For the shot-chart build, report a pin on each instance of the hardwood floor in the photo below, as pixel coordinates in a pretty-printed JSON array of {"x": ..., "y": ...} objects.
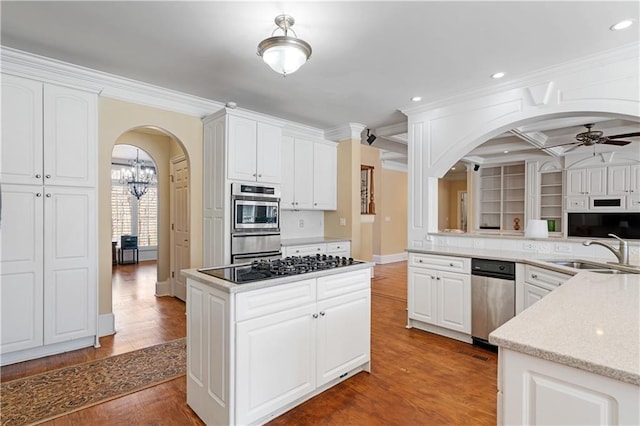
[{"x": 416, "y": 377}]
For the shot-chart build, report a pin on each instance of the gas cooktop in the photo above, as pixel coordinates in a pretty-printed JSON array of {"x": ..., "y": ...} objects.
[{"x": 264, "y": 269}]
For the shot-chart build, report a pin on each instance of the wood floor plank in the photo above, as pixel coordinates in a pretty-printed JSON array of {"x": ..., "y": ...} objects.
[{"x": 416, "y": 378}]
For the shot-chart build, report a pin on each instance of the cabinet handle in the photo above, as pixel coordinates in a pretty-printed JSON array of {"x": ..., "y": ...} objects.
[
  {"x": 48, "y": 195},
  {"x": 47, "y": 176},
  {"x": 38, "y": 176},
  {"x": 534, "y": 275},
  {"x": 450, "y": 264},
  {"x": 438, "y": 278},
  {"x": 322, "y": 313},
  {"x": 432, "y": 277},
  {"x": 38, "y": 194},
  {"x": 315, "y": 315}
]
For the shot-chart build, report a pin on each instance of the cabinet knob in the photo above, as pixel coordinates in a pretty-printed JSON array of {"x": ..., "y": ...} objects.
[
  {"x": 319, "y": 249},
  {"x": 322, "y": 313},
  {"x": 432, "y": 277},
  {"x": 38, "y": 194},
  {"x": 534, "y": 275},
  {"x": 438, "y": 278},
  {"x": 293, "y": 204},
  {"x": 450, "y": 264},
  {"x": 47, "y": 176},
  {"x": 38, "y": 176},
  {"x": 48, "y": 195},
  {"x": 259, "y": 175},
  {"x": 419, "y": 260},
  {"x": 296, "y": 203},
  {"x": 254, "y": 175},
  {"x": 315, "y": 315}
]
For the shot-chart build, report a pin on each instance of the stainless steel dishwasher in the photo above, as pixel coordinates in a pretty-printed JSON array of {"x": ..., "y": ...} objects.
[{"x": 492, "y": 296}]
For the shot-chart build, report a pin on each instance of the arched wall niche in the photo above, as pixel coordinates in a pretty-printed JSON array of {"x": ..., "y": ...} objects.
[
  {"x": 164, "y": 135},
  {"x": 439, "y": 135}
]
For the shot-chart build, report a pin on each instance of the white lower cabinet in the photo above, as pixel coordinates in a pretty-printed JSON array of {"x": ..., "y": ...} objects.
[
  {"x": 539, "y": 282},
  {"x": 48, "y": 287},
  {"x": 439, "y": 299},
  {"x": 534, "y": 391},
  {"x": 292, "y": 341}
]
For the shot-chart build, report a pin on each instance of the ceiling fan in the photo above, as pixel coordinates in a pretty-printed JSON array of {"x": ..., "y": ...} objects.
[{"x": 593, "y": 137}]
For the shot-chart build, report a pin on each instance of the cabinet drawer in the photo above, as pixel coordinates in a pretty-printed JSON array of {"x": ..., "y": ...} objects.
[
  {"x": 339, "y": 247},
  {"x": 441, "y": 263},
  {"x": 336, "y": 285},
  {"x": 307, "y": 250},
  {"x": 577, "y": 203},
  {"x": 544, "y": 278},
  {"x": 274, "y": 299}
]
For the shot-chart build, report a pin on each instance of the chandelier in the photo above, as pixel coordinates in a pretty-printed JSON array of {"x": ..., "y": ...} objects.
[
  {"x": 138, "y": 177},
  {"x": 284, "y": 54}
]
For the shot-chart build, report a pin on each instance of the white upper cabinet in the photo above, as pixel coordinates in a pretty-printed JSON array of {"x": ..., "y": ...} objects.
[
  {"x": 325, "y": 175},
  {"x": 591, "y": 181},
  {"x": 253, "y": 151},
  {"x": 21, "y": 130},
  {"x": 48, "y": 134},
  {"x": 623, "y": 180},
  {"x": 309, "y": 174}
]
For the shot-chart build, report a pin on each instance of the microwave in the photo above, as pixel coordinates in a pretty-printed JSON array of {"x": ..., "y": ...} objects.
[
  {"x": 601, "y": 224},
  {"x": 607, "y": 203}
]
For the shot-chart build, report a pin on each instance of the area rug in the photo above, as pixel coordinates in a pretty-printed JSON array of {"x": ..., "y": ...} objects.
[{"x": 41, "y": 397}]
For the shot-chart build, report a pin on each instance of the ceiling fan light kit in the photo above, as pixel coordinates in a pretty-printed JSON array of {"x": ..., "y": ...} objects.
[{"x": 284, "y": 54}]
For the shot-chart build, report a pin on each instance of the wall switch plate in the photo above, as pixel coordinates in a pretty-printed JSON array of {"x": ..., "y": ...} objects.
[
  {"x": 301, "y": 223},
  {"x": 387, "y": 218},
  {"x": 343, "y": 221},
  {"x": 530, "y": 246}
]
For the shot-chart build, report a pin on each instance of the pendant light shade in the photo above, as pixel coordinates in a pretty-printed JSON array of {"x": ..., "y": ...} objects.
[{"x": 284, "y": 54}]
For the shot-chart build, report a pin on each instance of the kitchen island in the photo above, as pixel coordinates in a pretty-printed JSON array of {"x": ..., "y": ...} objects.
[{"x": 258, "y": 349}]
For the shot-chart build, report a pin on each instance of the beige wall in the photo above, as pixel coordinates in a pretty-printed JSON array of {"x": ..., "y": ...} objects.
[
  {"x": 392, "y": 214},
  {"x": 116, "y": 118}
]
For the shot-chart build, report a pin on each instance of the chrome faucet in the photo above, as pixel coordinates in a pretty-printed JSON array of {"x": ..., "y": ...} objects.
[{"x": 622, "y": 252}]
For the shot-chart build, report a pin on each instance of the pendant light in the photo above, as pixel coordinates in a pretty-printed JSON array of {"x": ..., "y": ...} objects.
[{"x": 284, "y": 54}]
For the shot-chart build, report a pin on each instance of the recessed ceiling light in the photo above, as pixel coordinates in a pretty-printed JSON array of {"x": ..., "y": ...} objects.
[
  {"x": 621, "y": 25},
  {"x": 416, "y": 98},
  {"x": 497, "y": 75}
]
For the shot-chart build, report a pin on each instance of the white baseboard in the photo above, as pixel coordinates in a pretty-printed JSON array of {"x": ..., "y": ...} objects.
[
  {"x": 390, "y": 258},
  {"x": 106, "y": 324},
  {"x": 163, "y": 288}
]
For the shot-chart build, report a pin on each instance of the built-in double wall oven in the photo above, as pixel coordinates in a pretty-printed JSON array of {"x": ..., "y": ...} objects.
[{"x": 255, "y": 230}]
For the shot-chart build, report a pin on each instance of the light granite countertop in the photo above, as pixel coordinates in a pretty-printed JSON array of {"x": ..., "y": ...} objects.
[
  {"x": 229, "y": 287},
  {"x": 591, "y": 322},
  {"x": 287, "y": 242}
]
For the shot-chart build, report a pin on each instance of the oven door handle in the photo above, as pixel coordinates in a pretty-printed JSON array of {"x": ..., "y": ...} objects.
[
  {"x": 261, "y": 254},
  {"x": 254, "y": 234}
]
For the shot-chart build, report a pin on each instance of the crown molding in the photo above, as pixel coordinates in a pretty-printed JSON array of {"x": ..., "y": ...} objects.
[
  {"x": 542, "y": 76},
  {"x": 345, "y": 131},
  {"x": 65, "y": 74}
]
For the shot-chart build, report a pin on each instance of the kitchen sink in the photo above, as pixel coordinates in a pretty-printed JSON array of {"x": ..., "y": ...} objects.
[
  {"x": 576, "y": 264},
  {"x": 610, "y": 271}
]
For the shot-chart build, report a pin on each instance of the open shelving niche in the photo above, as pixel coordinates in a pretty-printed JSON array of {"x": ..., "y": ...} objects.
[
  {"x": 502, "y": 197},
  {"x": 551, "y": 198}
]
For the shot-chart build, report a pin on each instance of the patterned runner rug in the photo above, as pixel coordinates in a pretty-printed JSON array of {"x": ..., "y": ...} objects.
[{"x": 42, "y": 397}]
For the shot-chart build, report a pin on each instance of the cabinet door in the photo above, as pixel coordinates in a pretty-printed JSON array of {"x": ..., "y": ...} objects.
[
  {"x": 342, "y": 348},
  {"x": 596, "y": 181},
  {"x": 634, "y": 179},
  {"x": 70, "y": 264},
  {"x": 533, "y": 293},
  {"x": 268, "y": 153},
  {"x": 618, "y": 180},
  {"x": 324, "y": 176},
  {"x": 287, "y": 187},
  {"x": 70, "y": 135},
  {"x": 21, "y": 293},
  {"x": 304, "y": 174},
  {"x": 422, "y": 295},
  {"x": 454, "y": 301},
  {"x": 21, "y": 159},
  {"x": 576, "y": 182},
  {"x": 241, "y": 152},
  {"x": 275, "y": 361}
]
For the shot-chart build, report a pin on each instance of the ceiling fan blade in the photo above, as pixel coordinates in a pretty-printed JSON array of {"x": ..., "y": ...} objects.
[
  {"x": 623, "y": 135},
  {"x": 562, "y": 144},
  {"x": 572, "y": 148},
  {"x": 619, "y": 143}
]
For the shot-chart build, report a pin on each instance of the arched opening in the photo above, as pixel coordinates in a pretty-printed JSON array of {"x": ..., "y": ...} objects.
[{"x": 151, "y": 218}]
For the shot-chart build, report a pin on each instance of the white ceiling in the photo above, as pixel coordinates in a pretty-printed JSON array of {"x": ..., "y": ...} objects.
[{"x": 369, "y": 58}]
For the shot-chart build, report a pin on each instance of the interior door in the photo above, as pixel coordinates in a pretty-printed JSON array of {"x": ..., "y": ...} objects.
[{"x": 180, "y": 225}]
